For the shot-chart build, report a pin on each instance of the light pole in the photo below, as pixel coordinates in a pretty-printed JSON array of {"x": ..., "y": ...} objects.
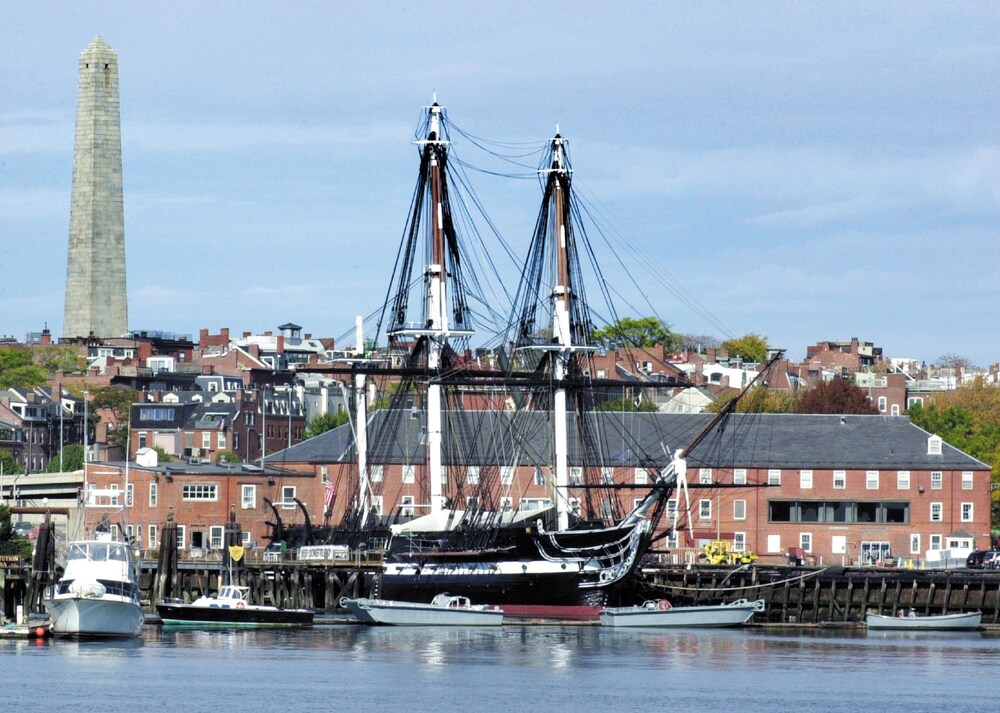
[
  {"x": 61, "y": 439},
  {"x": 86, "y": 427}
]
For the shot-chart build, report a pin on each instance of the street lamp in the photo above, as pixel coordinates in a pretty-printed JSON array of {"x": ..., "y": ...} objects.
[{"x": 86, "y": 427}]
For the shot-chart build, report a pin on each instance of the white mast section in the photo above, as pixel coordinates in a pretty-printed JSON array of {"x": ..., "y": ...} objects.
[
  {"x": 562, "y": 338},
  {"x": 437, "y": 316},
  {"x": 361, "y": 426}
]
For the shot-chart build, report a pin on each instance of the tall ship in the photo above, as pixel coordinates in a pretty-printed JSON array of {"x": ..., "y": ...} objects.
[{"x": 462, "y": 424}]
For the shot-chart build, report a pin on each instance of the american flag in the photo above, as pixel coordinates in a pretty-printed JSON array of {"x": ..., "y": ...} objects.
[{"x": 331, "y": 494}]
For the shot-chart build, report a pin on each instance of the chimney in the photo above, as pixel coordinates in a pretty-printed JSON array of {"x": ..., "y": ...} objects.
[
  {"x": 202, "y": 338},
  {"x": 280, "y": 344},
  {"x": 224, "y": 333},
  {"x": 46, "y": 337}
]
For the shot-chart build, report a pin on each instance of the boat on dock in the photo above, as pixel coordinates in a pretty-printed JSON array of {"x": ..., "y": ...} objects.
[
  {"x": 659, "y": 613},
  {"x": 231, "y": 607},
  {"x": 32, "y": 627},
  {"x": 97, "y": 596},
  {"x": 443, "y": 610},
  {"x": 937, "y": 622}
]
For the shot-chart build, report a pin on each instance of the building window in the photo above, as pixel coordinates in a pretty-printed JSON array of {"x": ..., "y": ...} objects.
[
  {"x": 181, "y": 537},
  {"x": 406, "y": 506},
  {"x": 576, "y": 475},
  {"x": 774, "y": 477},
  {"x": 671, "y": 508},
  {"x": 937, "y": 510},
  {"x": 774, "y": 543},
  {"x": 472, "y": 475},
  {"x": 245, "y": 538},
  {"x": 151, "y": 541},
  {"x": 248, "y": 497},
  {"x": 894, "y": 410},
  {"x": 114, "y": 496},
  {"x": 206, "y": 440},
  {"x": 129, "y": 494},
  {"x": 704, "y": 509},
  {"x": 739, "y": 542},
  {"x": 288, "y": 497},
  {"x": 376, "y": 473},
  {"x": 409, "y": 473},
  {"x": 705, "y": 476},
  {"x": 142, "y": 440},
  {"x": 937, "y": 480},
  {"x": 882, "y": 404},
  {"x": 607, "y": 476},
  {"x": 444, "y": 474},
  {"x": 966, "y": 512},
  {"x": 152, "y": 495},
  {"x": 507, "y": 475},
  {"x": 641, "y": 477},
  {"x": 935, "y": 542},
  {"x": 215, "y": 537},
  {"x": 740, "y": 476},
  {"x": 806, "y": 541},
  {"x": 914, "y": 544},
  {"x": 377, "y": 504},
  {"x": 871, "y": 480},
  {"x": 910, "y": 400},
  {"x": 222, "y": 440},
  {"x": 839, "y": 479},
  {"x": 903, "y": 480},
  {"x": 506, "y": 504},
  {"x": 805, "y": 479},
  {"x": 200, "y": 491},
  {"x": 966, "y": 480},
  {"x": 739, "y": 509}
]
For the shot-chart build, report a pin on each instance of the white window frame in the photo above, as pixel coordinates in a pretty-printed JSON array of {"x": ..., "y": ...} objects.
[
  {"x": 507, "y": 476},
  {"x": 774, "y": 476},
  {"x": 966, "y": 510},
  {"x": 935, "y": 542},
  {"x": 739, "y": 509},
  {"x": 806, "y": 479},
  {"x": 248, "y": 496},
  {"x": 377, "y": 504},
  {"x": 937, "y": 480},
  {"x": 671, "y": 508},
  {"x": 739, "y": 542},
  {"x": 182, "y": 537},
  {"x": 740, "y": 476},
  {"x": 406, "y": 503},
  {"x": 883, "y": 404},
  {"x": 607, "y": 475},
  {"x": 967, "y": 480},
  {"x": 206, "y": 440},
  {"x": 287, "y": 503},
  {"x": 129, "y": 494},
  {"x": 704, "y": 476},
  {"x": 871, "y": 479},
  {"x": 915, "y": 543},
  {"x": 376, "y": 473},
  {"x": 151, "y": 538},
  {"x": 472, "y": 475},
  {"x": 216, "y": 533},
  {"x": 937, "y": 512},
  {"x": 705, "y": 509},
  {"x": 221, "y": 439},
  {"x": 839, "y": 479},
  {"x": 200, "y": 492},
  {"x": 902, "y": 480},
  {"x": 576, "y": 475},
  {"x": 409, "y": 473},
  {"x": 806, "y": 541},
  {"x": 641, "y": 476},
  {"x": 506, "y": 504}
]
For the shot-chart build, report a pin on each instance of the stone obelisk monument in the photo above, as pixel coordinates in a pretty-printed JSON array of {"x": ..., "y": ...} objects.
[{"x": 96, "y": 301}]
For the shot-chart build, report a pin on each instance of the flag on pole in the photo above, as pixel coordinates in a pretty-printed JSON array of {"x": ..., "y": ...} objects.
[{"x": 331, "y": 494}]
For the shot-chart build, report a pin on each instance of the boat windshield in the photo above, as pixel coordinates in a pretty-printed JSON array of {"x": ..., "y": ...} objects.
[{"x": 97, "y": 551}]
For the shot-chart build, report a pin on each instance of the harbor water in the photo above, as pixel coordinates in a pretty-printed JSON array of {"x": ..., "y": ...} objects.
[{"x": 505, "y": 670}]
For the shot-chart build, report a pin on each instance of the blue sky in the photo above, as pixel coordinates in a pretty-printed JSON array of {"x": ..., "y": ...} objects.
[{"x": 806, "y": 171}]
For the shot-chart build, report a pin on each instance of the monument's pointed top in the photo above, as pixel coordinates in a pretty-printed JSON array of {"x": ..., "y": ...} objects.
[{"x": 99, "y": 44}]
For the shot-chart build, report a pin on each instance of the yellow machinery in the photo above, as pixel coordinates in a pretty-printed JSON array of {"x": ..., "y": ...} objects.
[{"x": 721, "y": 552}]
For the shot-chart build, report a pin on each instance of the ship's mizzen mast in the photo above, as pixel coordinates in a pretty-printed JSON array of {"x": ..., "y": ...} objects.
[{"x": 562, "y": 337}]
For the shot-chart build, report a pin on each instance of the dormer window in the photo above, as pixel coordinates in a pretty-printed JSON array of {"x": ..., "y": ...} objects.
[{"x": 934, "y": 446}]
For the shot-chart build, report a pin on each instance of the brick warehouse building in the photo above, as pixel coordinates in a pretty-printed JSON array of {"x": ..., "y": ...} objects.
[{"x": 849, "y": 489}]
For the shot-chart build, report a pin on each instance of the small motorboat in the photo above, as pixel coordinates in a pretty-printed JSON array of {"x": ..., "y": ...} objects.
[
  {"x": 443, "y": 610},
  {"x": 231, "y": 607},
  {"x": 911, "y": 622},
  {"x": 660, "y": 613}
]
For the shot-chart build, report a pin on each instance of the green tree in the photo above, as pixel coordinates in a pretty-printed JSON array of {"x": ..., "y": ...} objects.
[
  {"x": 17, "y": 369},
  {"x": 6, "y": 525},
  {"x": 750, "y": 347},
  {"x": 117, "y": 402},
  {"x": 163, "y": 457},
  {"x": 836, "y": 396},
  {"x": 72, "y": 459},
  {"x": 226, "y": 457},
  {"x": 626, "y": 404},
  {"x": 9, "y": 464},
  {"x": 325, "y": 422},
  {"x": 643, "y": 332},
  {"x": 55, "y": 357}
]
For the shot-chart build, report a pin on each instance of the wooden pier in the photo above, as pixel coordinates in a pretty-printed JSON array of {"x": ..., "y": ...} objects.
[{"x": 818, "y": 595}]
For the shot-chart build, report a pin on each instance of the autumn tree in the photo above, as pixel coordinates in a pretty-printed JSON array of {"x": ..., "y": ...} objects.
[
  {"x": 759, "y": 399},
  {"x": 117, "y": 402},
  {"x": 836, "y": 396},
  {"x": 750, "y": 347},
  {"x": 628, "y": 332}
]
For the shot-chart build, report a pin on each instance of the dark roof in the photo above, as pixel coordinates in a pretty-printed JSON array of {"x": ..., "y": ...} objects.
[{"x": 646, "y": 439}]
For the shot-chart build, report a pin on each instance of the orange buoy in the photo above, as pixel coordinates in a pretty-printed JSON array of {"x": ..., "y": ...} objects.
[{"x": 39, "y": 631}]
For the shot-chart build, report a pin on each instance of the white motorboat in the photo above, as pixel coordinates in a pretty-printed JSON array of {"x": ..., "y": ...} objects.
[
  {"x": 940, "y": 622},
  {"x": 97, "y": 594},
  {"x": 231, "y": 607},
  {"x": 443, "y": 610},
  {"x": 659, "y": 613}
]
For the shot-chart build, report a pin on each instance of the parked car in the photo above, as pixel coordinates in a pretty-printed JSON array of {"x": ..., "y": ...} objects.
[
  {"x": 23, "y": 529},
  {"x": 975, "y": 560},
  {"x": 991, "y": 560}
]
